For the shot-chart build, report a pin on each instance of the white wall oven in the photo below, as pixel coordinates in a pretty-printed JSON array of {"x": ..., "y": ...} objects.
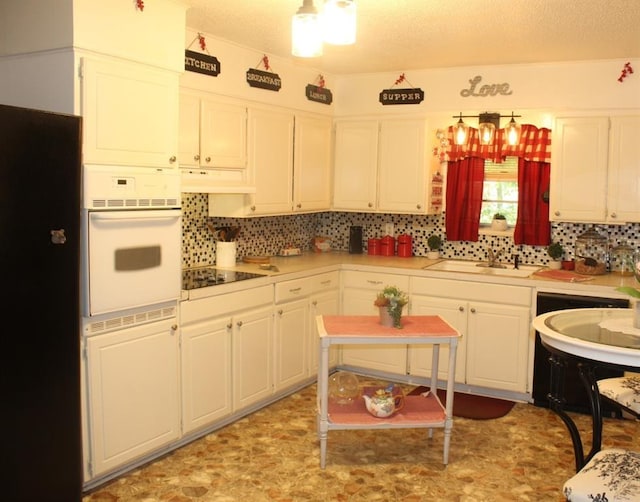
[{"x": 132, "y": 227}]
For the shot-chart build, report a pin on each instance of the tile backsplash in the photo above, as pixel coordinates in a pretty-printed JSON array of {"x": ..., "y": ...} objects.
[{"x": 268, "y": 235}]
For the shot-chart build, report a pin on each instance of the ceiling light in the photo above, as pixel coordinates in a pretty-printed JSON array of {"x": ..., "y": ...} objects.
[
  {"x": 306, "y": 32},
  {"x": 339, "y": 22},
  {"x": 488, "y": 124}
]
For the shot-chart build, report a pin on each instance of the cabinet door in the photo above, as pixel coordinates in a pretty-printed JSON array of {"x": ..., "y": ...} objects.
[
  {"x": 578, "y": 188},
  {"x": 189, "y": 132},
  {"x": 271, "y": 160},
  {"x": 206, "y": 373},
  {"x": 291, "y": 342},
  {"x": 312, "y": 164},
  {"x": 624, "y": 170},
  {"x": 355, "y": 167},
  {"x": 420, "y": 356},
  {"x": 133, "y": 393},
  {"x": 389, "y": 358},
  {"x": 497, "y": 346},
  {"x": 252, "y": 348},
  {"x": 403, "y": 165},
  {"x": 223, "y": 135},
  {"x": 327, "y": 303},
  {"x": 130, "y": 114}
]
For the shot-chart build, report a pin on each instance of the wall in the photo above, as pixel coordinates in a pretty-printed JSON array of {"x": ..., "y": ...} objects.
[{"x": 268, "y": 235}]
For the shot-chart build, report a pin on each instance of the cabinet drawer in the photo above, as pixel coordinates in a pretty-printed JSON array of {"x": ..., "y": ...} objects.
[
  {"x": 471, "y": 291},
  {"x": 374, "y": 280},
  {"x": 291, "y": 290},
  {"x": 325, "y": 282},
  {"x": 213, "y": 306}
]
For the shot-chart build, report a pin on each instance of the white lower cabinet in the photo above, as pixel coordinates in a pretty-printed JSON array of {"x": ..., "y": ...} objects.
[
  {"x": 132, "y": 383},
  {"x": 359, "y": 292},
  {"x": 495, "y": 323}
]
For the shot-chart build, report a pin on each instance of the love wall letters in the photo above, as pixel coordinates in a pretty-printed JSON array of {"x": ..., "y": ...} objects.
[{"x": 485, "y": 90}]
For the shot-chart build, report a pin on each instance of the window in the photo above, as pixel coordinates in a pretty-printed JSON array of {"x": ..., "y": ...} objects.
[{"x": 500, "y": 191}]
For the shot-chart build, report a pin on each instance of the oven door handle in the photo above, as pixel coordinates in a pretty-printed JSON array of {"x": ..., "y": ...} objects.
[{"x": 157, "y": 214}]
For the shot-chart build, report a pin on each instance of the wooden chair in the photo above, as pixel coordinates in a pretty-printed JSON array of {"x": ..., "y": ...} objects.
[
  {"x": 623, "y": 391},
  {"x": 612, "y": 475}
]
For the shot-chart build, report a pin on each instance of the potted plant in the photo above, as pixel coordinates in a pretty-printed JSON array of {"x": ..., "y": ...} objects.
[
  {"x": 499, "y": 222},
  {"x": 390, "y": 302},
  {"x": 555, "y": 251},
  {"x": 434, "y": 242}
]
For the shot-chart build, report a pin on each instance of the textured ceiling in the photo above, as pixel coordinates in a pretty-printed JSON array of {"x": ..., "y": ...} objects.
[{"x": 399, "y": 35}]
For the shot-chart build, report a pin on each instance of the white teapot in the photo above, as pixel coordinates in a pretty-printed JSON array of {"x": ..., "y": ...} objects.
[{"x": 383, "y": 403}]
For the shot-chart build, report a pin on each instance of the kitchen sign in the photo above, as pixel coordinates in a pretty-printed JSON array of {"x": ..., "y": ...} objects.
[
  {"x": 201, "y": 63},
  {"x": 401, "y": 96}
]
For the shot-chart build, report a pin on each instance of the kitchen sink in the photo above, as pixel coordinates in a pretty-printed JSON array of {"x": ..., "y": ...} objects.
[{"x": 480, "y": 267}]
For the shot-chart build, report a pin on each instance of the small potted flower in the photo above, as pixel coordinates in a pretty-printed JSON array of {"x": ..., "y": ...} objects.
[
  {"x": 499, "y": 222},
  {"x": 390, "y": 302},
  {"x": 555, "y": 251},
  {"x": 434, "y": 242}
]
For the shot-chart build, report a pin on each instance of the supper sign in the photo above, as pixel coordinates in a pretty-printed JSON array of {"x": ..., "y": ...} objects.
[
  {"x": 201, "y": 63},
  {"x": 264, "y": 79},
  {"x": 319, "y": 94},
  {"x": 401, "y": 96}
]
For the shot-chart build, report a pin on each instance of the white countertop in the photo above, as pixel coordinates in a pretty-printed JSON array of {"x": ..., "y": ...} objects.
[{"x": 292, "y": 267}]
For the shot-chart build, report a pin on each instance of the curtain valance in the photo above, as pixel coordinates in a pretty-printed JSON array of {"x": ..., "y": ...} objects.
[{"x": 534, "y": 145}]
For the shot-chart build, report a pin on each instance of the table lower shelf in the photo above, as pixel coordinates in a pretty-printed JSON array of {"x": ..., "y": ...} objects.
[{"x": 418, "y": 411}]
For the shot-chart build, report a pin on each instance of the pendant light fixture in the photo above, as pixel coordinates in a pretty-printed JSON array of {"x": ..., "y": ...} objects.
[
  {"x": 489, "y": 122},
  {"x": 306, "y": 31},
  {"x": 512, "y": 131},
  {"x": 460, "y": 132},
  {"x": 339, "y": 22}
]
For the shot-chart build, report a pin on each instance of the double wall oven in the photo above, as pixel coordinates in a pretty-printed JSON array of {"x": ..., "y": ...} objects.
[{"x": 131, "y": 272}]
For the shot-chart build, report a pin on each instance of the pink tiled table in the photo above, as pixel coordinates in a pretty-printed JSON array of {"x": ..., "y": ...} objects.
[{"x": 425, "y": 411}]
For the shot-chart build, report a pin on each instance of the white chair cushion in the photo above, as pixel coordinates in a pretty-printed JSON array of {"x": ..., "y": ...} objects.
[
  {"x": 612, "y": 475},
  {"x": 624, "y": 390}
]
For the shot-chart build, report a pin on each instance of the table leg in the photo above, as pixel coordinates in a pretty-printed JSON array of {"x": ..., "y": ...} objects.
[{"x": 323, "y": 399}]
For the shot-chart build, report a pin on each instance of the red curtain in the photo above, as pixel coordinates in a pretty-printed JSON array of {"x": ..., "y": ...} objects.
[
  {"x": 464, "y": 183},
  {"x": 464, "y": 199},
  {"x": 533, "y": 226}
]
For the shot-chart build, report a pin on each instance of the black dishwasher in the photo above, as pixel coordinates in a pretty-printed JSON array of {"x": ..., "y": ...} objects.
[{"x": 575, "y": 394}]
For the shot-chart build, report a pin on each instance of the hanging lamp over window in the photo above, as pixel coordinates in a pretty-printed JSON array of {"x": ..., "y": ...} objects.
[
  {"x": 306, "y": 31},
  {"x": 512, "y": 131},
  {"x": 339, "y": 22},
  {"x": 489, "y": 123},
  {"x": 460, "y": 132}
]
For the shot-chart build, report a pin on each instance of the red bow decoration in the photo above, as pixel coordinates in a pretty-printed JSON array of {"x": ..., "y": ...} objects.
[
  {"x": 626, "y": 70},
  {"x": 203, "y": 44},
  {"x": 401, "y": 79},
  {"x": 140, "y": 4},
  {"x": 265, "y": 62},
  {"x": 320, "y": 81}
]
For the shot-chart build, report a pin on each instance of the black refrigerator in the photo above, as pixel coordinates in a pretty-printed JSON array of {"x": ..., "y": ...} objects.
[{"x": 40, "y": 160}]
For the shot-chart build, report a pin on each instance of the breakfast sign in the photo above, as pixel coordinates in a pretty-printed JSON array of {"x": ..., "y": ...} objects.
[
  {"x": 410, "y": 96},
  {"x": 264, "y": 79}
]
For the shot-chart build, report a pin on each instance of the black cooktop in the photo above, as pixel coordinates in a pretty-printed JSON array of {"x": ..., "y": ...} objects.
[{"x": 210, "y": 276}]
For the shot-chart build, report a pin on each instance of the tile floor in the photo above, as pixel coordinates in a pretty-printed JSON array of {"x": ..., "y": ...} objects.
[{"x": 273, "y": 456}]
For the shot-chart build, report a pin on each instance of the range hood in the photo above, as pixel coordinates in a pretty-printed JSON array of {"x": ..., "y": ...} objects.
[{"x": 215, "y": 181}]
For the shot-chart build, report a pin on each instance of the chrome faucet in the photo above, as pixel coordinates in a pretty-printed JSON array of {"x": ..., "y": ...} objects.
[{"x": 493, "y": 258}]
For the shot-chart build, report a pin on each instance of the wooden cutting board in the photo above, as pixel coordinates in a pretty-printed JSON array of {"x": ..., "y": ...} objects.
[{"x": 256, "y": 259}]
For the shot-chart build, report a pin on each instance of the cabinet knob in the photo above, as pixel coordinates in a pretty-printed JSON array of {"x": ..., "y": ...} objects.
[
  {"x": 239, "y": 324},
  {"x": 229, "y": 326},
  {"x": 174, "y": 328},
  {"x": 418, "y": 206},
  {"x": 280, "y": 312},
  {"x": 614, "y": 215},
  {"x": 461, "y": 308},
  {"x": 299, "y": 206},
  {"x": 314, "y": 303},
  {"x": 196, "y": 157},
  {"x": 253, "y": 208},
  {"x": 370, "y": 204},
  {"x": 556, "y": 213},
  {"x": 172, "y": 159},
  {"x": 207, "y": 159},
  {"x": 473, "y": 311}
]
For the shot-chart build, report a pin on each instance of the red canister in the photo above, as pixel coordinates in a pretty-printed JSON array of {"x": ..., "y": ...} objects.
[
  {"x": 373, "y": 246},
  {"x": 387, "y": 246},
  {"x": 405, "y": 246}
]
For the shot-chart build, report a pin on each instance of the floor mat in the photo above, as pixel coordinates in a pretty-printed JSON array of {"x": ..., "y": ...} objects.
[{"x": 471, "y": 406}]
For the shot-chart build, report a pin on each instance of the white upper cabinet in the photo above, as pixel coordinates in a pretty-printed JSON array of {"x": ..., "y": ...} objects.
[
  {"x": 595, "y": 173},
  {"x": 381, "y": 166},
  {"x": 355, "y": 166},
  {"x": 130, "y": 114},
  {"x": 312, "y": 163},
  {"x": 212, "y": 145}
]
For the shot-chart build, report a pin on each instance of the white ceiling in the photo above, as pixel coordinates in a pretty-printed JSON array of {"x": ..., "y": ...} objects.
[{"x": 400, "y": 35}]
